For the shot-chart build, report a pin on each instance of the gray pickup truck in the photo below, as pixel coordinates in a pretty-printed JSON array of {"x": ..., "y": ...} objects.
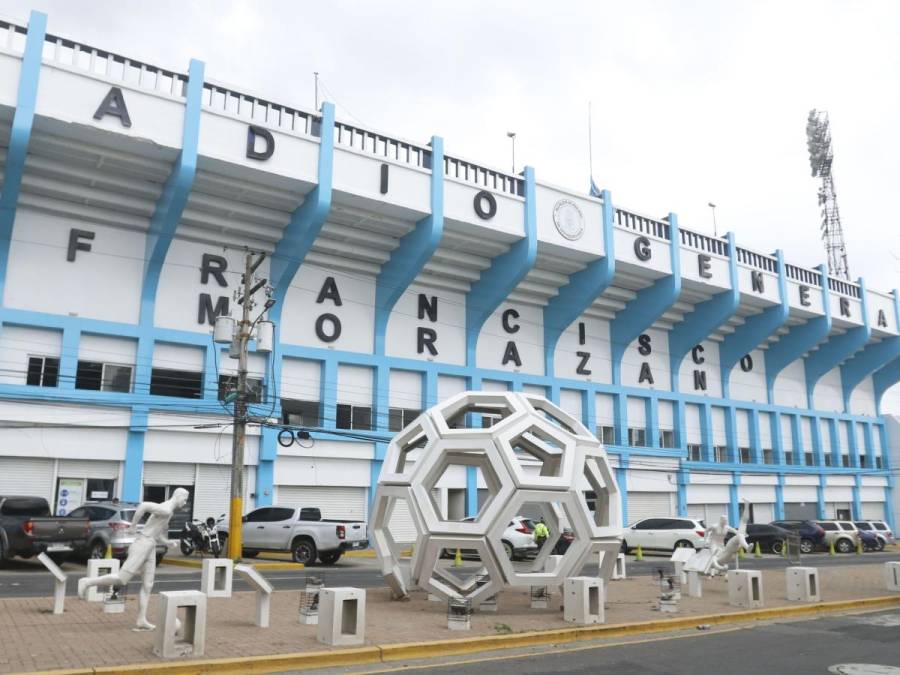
[
  {"x": 301, "y": 531},
  {"x": 27, "y": 528}
]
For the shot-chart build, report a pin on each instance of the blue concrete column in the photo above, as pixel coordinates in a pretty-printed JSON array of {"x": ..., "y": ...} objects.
[
  {"x": 132, "y": 474},
  {"x": 835, "y": 439},
  {"x": 328, "y": 385},
  {"x": 68, "y": 362},
  {"x": 679, "y": 417},
  {"x": 589, "y": 410},
  {"x": 734, "y": 512},
  {"x": 872, "y": 357},
  {"x": 620, "y": 415},
  {"x": 777, "y": 439},
  {"x": 870, "y": 445},
  {"x": 779, "y": 498},
  {"x": 731, "y": 442},
  {"x": 684, "y": 478},
  {"x": 818, "y": 453},
  {"x": 820, "y": 497},
  {"x": 265, "y": 470},
  {"x": 471, "y": 471},
  {"x": 885, "y": 452},
  {"x": 622, "y": 480},
  {"x": 888, "y": 502},
  {"x": 883, "y": 379},
  {"x": 756, "y": 454},
  {"x": 706, "y": 435},
  {"x": 429, "y": 389},
  {"x": 651, "y": 414},
  {"x": 852, "y": 443},
  {"x": 857, "y": 504},
  {"x": 797, "y": 435}
]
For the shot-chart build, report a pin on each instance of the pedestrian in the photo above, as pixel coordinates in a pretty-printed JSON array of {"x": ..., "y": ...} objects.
[{"x": 541, "y": 533}]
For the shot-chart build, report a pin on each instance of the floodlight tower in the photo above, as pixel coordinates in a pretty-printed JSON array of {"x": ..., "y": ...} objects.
[{"x": 818, "y": 140}]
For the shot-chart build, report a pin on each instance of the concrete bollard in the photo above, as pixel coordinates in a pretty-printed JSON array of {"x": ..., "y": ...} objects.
[
  {"x": 98, "y": 567},
  {"x": 488, "y": 604},
  {"x": 59, "y": 583},
  {"x": 694, "y": 586},
  {"x": 583, "y": 600},
  {"x": 803, "y": 584},
  {"x": 216, "y": 577},
  {"x": 745, "y": 588},
  {"x": 434, "y": 598},
  {"x": 192, "y": 633},
  {"x": 342, "y": 616},
  {"x": 619, "y": 569},
  {"x": 892, "y": 575},
  {"x": 551, "y": 564},
  {"x": 263, "y": 593}
]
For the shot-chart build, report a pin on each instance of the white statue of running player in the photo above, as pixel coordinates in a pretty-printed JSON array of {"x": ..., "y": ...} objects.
[{"x": 142, "y": 552}]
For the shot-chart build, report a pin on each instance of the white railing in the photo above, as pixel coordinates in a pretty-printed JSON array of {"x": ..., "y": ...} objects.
[
  {"x": 758, "y": 260},
  {"x": 14, "y": 36},
  {"x": 253, "y": 109},
  {"x": 490, "y": 179},
  {"x": 380, "y": 145},
  {"x": 642, "y": 224},
  {"x": 702, "y": 242},
  {"x": 803, "y": 275},
  {"x": 847, "y": 288}
]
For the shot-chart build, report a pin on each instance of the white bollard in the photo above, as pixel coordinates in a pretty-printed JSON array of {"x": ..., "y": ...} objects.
[
  {"x": 98, "y": 567},
  {"x": 745, "y": 588},
  {"x": 803, "y": 584},
  {"x": 892, "y": 575},
  {"x": 619, "y": 569},
  {"x": 434, "y": 598},
  {"x": 583, "y": 600},
  {"x": 188, "y": 640},
  {"x": 216, "y": 577},
  {"x": 59, "y": 583},
  {"x": 551, "y": 564},
  {"x": 342, "y": 616},
  {"x": 263, "y": 592},
  {"x": 488, "y": 604},
  {"x": 695, "y": 588}
]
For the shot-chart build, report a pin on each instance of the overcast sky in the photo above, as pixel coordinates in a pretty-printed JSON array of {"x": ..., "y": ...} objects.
[{"x": 693, "y": 102}]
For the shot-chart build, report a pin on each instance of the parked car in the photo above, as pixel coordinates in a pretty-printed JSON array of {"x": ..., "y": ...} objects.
[
  {"x": 27, "y": 529},
  {"x": 881, "y": 536},
  {"x": 769, "y": 537},
  {"x": 884, "y": 529},
  {"x": 812, "y": 535},
  {"x": 301, "y": 531},
  {"x": 663, "y": 534},
  {"x": 110, "y": 524},
  {"x": 868, "y": 538},
  {"x": 840, "y": 533},
  {"x": 518, "y": 540}
]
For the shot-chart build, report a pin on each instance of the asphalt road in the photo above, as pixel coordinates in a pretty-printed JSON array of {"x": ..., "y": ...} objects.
[
  {"x": 28, "y": 578},
  {"x": 826, "y": 645}
]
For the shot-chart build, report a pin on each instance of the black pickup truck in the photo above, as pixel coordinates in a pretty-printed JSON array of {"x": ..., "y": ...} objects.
[{"x": 27, "y": 529}]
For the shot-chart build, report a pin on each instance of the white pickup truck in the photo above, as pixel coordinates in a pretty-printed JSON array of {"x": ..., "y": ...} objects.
[{"x": 302, "y": 532}]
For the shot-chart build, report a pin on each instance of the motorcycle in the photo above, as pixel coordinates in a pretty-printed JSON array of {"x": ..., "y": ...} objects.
[{"x": 202, "y": 536}]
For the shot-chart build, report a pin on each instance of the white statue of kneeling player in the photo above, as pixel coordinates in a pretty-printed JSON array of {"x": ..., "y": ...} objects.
[{"x": 142, "y": 552}]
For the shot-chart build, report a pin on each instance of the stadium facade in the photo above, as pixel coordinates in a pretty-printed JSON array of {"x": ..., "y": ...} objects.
[{"x": 403, "y": 275}]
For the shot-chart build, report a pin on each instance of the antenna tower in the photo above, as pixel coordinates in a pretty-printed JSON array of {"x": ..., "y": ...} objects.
[{"x": 818, "y": 140}]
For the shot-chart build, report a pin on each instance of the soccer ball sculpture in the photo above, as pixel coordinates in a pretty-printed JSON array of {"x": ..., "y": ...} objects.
[{"x": 535, "y": 453}]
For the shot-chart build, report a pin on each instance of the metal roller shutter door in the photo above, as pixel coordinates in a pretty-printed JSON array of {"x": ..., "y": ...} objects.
[
  {"x": 872, "y": 510},
  {"x": 26, "y": 476},
  {"x": 763, "y": 513},
  {"x": 401, "y": 524},
  {"x": 649, "y": 505},
  {"x": 168, "y": 473},
  {"x": 337, "y": 503},
  {"x": 800, "y": 511},
  {"x": 212, "y": 491},
  {"x": 85, "y": 468},
  {"x": 708, "y": 513}
]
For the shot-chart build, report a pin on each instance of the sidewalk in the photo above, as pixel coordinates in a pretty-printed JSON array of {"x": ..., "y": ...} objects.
[{"x": 84, "y": 637}]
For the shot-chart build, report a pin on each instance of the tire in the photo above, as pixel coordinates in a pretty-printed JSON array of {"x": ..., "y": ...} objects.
[
  {"x": 159, "y": 557},
  {"x": 807, "y": 546},
  {"x": 303, "y": 551},
  {"x": 330, "y": 558},
  {"x": 624, "y": 546},
  {"x": 186, "y": 547},
  {"x": 97, "y": 549},
  {"x": 682, "y": 543},
  {"x": 844, "y": 546},
  {"x": 880, "y": 545},
  {"x": 777, "y": 547},
  {"x": 509, "y": 550}
]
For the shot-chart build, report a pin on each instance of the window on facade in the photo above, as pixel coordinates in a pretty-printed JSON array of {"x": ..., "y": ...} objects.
[
  {"x": 606, "y": 435},
  {"x": 666, "y": 438},
  {"x": 768, "y": 456},
  {"x": 878, "y": 463},
  {"x": 744, "y": 454},
  {"x": 353, "y": 417},
  {"x": 720, "y": 452},
  {"x": 43, "y": 371},
  {"x": 862, "y": 461},
  {"x": 827, "y": 459},
  {"x": 400, "y": 418},
  {"x": 637, "y": 438},
  {"x": 170, "y": 382},
  {"x": 809, "y": 459},
  {"x": 694, "y": 452},
  {"x": 300, "y": 413},
  {"x": 487, "y": 420},
  {"x": 845, "y": 460},
  {"x": 255, "y": 389},
  {"x": 98, "y": 376}
]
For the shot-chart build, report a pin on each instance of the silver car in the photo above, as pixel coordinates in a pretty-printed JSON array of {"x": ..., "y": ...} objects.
[{"x": 110, "y": 523}]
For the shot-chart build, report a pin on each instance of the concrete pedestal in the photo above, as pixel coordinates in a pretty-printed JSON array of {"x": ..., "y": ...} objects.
[
  {"x": 694, "y": 586},
  {"x": 342, "y": 616},
  {"x": 309, "y": 603},
  {"x": 583, "y": 599},
  {"x": 216, "y": 577},
  {"x": 98, "y": 567},
  {"x": 803, "y": 584},
  {"x": 540, "y": 597},
  {"x": 619, "y": 569},
  {"x": 191, "y": 639},
  {"x": 488, "y": 604},
  {"x": 551, "y": 564},
  {"x": 892, "y": 576},
  {"x": 668, "y": 606},
  {"x": 434, "y": 598},
  {"x": 263, "y": 593},
  {"x": 745, "y": 588},
  {"x": 59, "y": 583}
]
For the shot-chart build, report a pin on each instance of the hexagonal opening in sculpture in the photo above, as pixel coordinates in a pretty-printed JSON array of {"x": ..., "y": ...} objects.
[
  {"x": 556, "y": 415},
  {"x": 475, "y": 411},
  {"x": 397, "y": 528},
  {"x": 406, "y": 448},
  {"x": 538, "y": 453}
]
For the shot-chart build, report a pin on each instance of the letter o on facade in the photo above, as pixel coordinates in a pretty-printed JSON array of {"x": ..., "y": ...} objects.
[
  {"x": 746, "y": 363},
  {"x": 642, "y": 248},
  {"x": 485, "y": 205},
  {"x": 335, "y": 324}
]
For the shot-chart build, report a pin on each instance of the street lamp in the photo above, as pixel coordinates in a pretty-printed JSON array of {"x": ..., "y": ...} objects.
[
  {"x": 715, "y": 229},
  {"x": 512, "y": 135}
]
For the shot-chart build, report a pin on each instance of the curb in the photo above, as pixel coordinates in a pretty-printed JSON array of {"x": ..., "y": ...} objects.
[
  {"x": 438, "y": 648},
  {"x": 262, "y": 566}
]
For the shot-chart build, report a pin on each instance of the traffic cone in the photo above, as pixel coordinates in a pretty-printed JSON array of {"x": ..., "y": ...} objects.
[
  {"x": 108, "y": 553},
  {"x": 831, "y": 547},
  {"x": 639, "y": 554},
  {"x": 741, "y": 553},
  {"x": 457, "y": 561},
  {"x": 784, "y": 549},
  {"x": 859, "y": 547},
  {"x": 757, "y": 553}
]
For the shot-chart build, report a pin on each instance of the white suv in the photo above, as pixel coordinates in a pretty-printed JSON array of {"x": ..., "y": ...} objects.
[
  {"x": 879, "y": 528},
  {"x": 663, "y": 534},
  {"x": 518, "y": 539}
]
